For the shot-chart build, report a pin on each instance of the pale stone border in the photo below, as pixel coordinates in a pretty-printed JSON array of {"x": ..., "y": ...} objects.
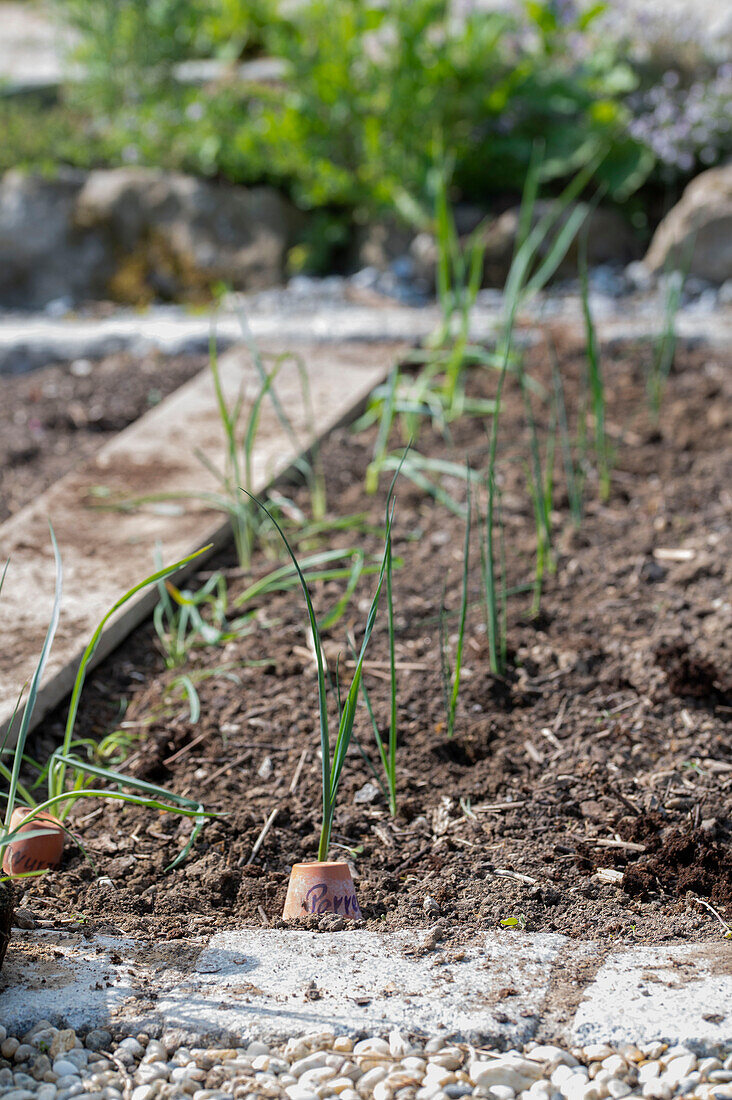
[
  {"x": 106, "y": 552},
  {"x": 501, "y": 987}
]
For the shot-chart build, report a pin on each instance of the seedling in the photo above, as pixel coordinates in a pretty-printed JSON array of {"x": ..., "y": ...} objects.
[
  {"x": 603, "y": 449},
  {"x": 574, "y": 470},
  {"x": 665, "y": 346},
  {"x": 387, "y": 749},
  {"x": 333, "y": 753},
  {"x": 451, "y": 675}
]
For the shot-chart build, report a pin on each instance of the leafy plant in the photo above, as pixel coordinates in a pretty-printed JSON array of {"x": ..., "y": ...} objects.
[{"x": 62, "y": 762}]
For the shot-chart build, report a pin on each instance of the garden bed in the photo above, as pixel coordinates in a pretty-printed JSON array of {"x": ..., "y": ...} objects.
[
  {"x": 53, "y": 418},
  {"x": 605, "y": 748}
]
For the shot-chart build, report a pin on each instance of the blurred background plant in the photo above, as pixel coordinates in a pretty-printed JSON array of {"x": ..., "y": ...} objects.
[{"x": 360, "y": 99}]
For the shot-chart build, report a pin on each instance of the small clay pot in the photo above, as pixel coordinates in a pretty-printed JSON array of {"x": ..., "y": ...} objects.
[
  {"x": 317, "y": 888},
  {"x": 37, "y": 853}
]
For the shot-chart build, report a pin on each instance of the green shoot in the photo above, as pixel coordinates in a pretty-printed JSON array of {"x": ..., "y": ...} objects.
[
  {"x": 388, "y": 751},
  {"x": 541, "y": 489},
  {"x": 493, "y": 577},
  {"x": 333, "y": 754},
  {"x": 62, "y": 761},
  {"x": 34, "y": 687},
  {"x": 665, "y": 345},
  {"x": 451, "y": 676},
  {"x": 603, "y": 451},
  {"x": 573, "y": 470}
]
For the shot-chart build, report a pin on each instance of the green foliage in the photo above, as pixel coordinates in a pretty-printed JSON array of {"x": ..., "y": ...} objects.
[
  {"x": 129, "y": 48},
  {"x": 372, "y": 96}
]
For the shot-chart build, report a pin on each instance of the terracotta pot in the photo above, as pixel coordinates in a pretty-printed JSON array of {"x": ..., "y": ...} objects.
[
  {"x": 317, "y": 888},
  {"x": 38, "y": 853}
]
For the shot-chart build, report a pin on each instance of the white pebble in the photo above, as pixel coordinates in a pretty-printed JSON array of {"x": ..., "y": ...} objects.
[
  {"x": 369, "y": 1079},
  {"x": 648, "y": 1071},
  {"x": 151, "y": 1071},
  {"x": 143, "y": 1092},
  {"x": 310, "y": 1061},
  {"x": 658, "y": 1089},
  {"x": 297, "y": 1092},
  {"x": 617, "y": 1088},
  {"x": 314, "y": 1078},
  {"x": 341, "y": 1085},
  {"x": 502, "y": 1092},
  {"x": 256, "y": 1048},
  {"x": 372, "y": 1046},
  {"x": 553, "y": 1055}
]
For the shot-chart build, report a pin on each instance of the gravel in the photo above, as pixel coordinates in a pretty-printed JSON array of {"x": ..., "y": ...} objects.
[{"x": 49, "y": 1063}]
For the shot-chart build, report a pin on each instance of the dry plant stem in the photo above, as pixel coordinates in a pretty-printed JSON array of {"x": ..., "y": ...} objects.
[{"x": 263, "y": 835}]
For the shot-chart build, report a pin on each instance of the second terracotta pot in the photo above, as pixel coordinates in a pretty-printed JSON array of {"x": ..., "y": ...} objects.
[
  {"x": 36, "y": 853},
  {"x": 317, "y": 888}
]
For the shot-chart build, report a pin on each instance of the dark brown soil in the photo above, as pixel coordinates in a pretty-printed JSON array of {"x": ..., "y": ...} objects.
[
  {"x": 6, "y": 917},
  {"x": 589, "y": 792},
  {"x": 53, "y": 418}
]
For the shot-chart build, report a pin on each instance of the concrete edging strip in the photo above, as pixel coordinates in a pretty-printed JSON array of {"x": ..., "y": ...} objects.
[{"x": 106, "y": 552}]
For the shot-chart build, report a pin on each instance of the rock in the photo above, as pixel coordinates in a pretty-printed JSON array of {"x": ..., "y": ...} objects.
[
  {"x": 366, "y": 794},
  {"x": 62, "y": 1042},
  {"x": 136, "y": 234},
  {"x": 42, "y": 256},
  {"x": 98, "y": 1039},
  {"x": 702, "y": 221},
  {"x": 23, "y": 918},
  {"x": 175, "y": 235}
]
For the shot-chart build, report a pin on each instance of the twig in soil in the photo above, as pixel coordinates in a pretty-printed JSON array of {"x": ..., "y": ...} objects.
[
  {"x": 626, "y": 845},
  {"x": 262, "y": 836},
  {"x": 533, "y": 752},
  {"x": 407, "y": 863},
  {"x": 224, "y": 768},
  {"x": 263, "y": 915},
  {"x": 502, "y": 872},
  {"x": 298, "y": 771},
  {"x": 186, "y": 748},
  {"x": 609, "y": 876},
  {"x": 490, "y": 807},
  {"x": 560, "y": 714},
  {"x": 713, "y": 911}
]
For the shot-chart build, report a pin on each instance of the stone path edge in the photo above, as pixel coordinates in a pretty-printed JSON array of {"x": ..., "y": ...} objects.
[
  {"x": 157, "y": 447},
  {"x": 502, "y": 988}
]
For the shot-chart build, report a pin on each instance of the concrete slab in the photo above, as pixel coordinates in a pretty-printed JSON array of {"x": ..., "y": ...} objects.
[
  {"x": 679, "y": 994},
  {"x": 106, "y": 552},
  {"x": 502, "y": 989},
  {"x": 271, "y": 984},
  {"x": 61, "y": 976}
]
